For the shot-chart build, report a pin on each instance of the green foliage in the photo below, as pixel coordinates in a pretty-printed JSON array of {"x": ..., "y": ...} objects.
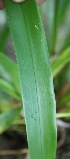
[
  {"x": 7, "y": 118},
  {"x": 55, "y": 16},
  {"x": 60, "y": 61},
  {"x": 6, "y": 87},
  {"x": 62, "y": 115},
  {"x": 35, "y": 77},
  {"x": 56, "y": 19},
  {"x": 8, "y": 73}
]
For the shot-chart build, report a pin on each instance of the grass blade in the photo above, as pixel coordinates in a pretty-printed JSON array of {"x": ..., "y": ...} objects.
[
  {"x": 49, "y": 11},
  {"x": 9, "y": 71},
  {"x": 61, "y": 61},
  {"x": 7, "y": 118},
  {"x": 62, "y": 115},
  {"x": 35, "y": 76},
  {"x": 3, "y": 37},
  {"x": 8, "y": 89},
  {"x": 63, "y": 6}
]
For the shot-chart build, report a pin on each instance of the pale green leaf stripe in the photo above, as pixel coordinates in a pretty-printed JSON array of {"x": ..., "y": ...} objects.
[
  {"x": 7, "y": 118},
  {"x": 35, "y": 76},
  {"x": 62, "y": 115},
  {"x": 61, "y": 61}
]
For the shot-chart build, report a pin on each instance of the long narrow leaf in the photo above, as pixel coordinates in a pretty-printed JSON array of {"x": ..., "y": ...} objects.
[{"x": 35, "y": 76}]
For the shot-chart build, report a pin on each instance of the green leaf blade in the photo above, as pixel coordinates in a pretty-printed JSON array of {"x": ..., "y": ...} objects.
[{"x": 36, "y": 78}]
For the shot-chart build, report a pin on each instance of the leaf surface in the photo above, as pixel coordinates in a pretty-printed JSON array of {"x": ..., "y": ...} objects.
[{"x": 35, "y": 77}]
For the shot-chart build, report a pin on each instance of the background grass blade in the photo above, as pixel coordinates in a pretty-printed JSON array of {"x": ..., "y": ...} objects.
[
  {"x": 7, "y": 118},
  {"x": 9, "y": 71},
  {"x": 63, "y": 5},
  {"x": 60, "y": 61},
  {"x": 35, "y": 76},
  {"x": 3, "y": 37},
  {"x": 8, "y": 89},
  {"x": 62, "y": 115},
  {"x": 49, "y": 13}
]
